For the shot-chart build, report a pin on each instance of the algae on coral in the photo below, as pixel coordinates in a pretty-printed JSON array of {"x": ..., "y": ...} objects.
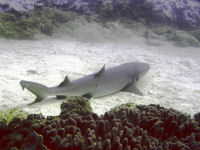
[
  {"x": 77, "y": 105},
  {"x": 43, "y": 20},
  {"x": 7, "y": 116},
  {"x": 124, "y": 106}
]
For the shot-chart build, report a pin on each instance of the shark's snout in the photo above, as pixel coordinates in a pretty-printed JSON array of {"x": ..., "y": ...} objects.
[
  {"x": 147, "y": 67},
  {"x": 144, "y": 67}
]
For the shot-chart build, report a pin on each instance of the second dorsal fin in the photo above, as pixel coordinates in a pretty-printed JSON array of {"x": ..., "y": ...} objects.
[
  {"x": 65, "y": 82},
  {"x": 99, "y": 72}
]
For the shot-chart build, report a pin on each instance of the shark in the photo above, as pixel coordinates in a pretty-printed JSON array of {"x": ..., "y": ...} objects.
[{"x": 102, "y": 83}]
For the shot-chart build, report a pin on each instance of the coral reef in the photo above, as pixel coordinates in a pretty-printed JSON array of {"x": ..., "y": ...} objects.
[
  {"x": 47, "y": 20},
  {"x": 18, "y": 133},
  {"x": 197, "y": 117},
  {"x": 44, "y": 20},
  {"x": 183, "y": 13},
  {"x": 76, "y": 105},
  {"x": 7, "y": 116},
  {"x": 126, "y": 127}
]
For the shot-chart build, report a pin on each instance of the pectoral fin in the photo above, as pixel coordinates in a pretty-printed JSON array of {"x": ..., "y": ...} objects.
[
  {"x": 87, "y": 95},
  {"x": 132, "y": 89},
  {"x": 61, "y": 96},
  {"x": 38, "y": 99}
]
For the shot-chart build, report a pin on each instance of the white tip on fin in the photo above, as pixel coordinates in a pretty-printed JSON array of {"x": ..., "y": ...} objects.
[
  {"x": 99, "y": 72},
  {"x": 132, "y": 89},
  {"x": 65, "y": 82}
]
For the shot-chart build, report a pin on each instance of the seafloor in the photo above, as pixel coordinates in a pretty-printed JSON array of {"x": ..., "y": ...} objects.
[{"x": 44, "y": 44}]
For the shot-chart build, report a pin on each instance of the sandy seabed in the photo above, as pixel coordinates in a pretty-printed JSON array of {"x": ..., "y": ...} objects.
[{"x": 173, "y": 80}]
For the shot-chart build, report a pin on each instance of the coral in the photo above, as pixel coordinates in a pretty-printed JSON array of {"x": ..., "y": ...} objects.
[
  {"x": 33, "y": 141},
  {"x": 43, "y": 20},
  {"x": 79, "y": 105},
  {"x": 14, "y": 134},
  {"x": 8, "y": 115},
  {"x": 124, "y": 106},
  {"x": 197, "y": 117},
  {"x": 125, "y": 127}
]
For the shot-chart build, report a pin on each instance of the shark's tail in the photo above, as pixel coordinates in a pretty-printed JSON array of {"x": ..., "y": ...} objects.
[{"x": 41, "y": 91}]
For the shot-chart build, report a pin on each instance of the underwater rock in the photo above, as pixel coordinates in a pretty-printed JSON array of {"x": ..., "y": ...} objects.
[
  {"x": 184, "y": 13},
  {"x": 183, "y": 39},
  {"x": 128, "y": 126},
  {"x": 180, "y": 38},
  {"x": 152, "y": 38},
  {"x": 83, "y": 6},
  {"x": 19, "y": 5},
  {"x": 196, "y": 34},
  {"x": 32, "y": 72},
  {"x": 156, "y": 23}
]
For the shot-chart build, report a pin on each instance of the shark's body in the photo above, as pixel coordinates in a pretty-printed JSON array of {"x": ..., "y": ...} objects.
[{"x": 102, "y": 83}]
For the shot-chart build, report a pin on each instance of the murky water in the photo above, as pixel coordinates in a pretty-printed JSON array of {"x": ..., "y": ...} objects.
[{"x": 173, "y": 80}]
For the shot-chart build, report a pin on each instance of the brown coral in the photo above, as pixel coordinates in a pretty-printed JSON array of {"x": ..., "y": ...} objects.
[{"x": 139, "y": 127}]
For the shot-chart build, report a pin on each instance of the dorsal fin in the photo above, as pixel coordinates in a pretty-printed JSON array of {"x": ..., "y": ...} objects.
[
  {"x": 99, "y": 72},
  {"x": 65, "y": 82}
]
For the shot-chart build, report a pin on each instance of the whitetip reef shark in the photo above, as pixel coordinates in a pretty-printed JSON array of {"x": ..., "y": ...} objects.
[{"x": 102, "y": 83}]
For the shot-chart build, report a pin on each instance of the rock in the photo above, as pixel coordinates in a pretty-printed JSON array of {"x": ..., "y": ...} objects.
[
  {"x": 33, "y": 72},
  {"x": 152, "y": 38},
  {"x": 150, "y": 35},
  {"x": 184, "y": 13},
  {"x": 176, "y": 21},
  {"x": 162, "y": 30},
  {"x": 180, "y": 38},
  {"x": 183, "y": 39},
  {"x": 196, "y": 34},
  {"x": 19, "y": 5},
  {"x": 84, "y": 6}
]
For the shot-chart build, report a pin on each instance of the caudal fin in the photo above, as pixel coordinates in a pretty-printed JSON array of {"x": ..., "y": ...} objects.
[{"x": 41, "y": 91}]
